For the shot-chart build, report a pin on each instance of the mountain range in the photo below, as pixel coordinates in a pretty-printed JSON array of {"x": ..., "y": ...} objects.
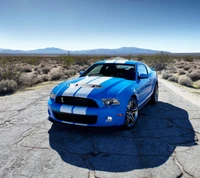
[{"x": 53, "y": 50}]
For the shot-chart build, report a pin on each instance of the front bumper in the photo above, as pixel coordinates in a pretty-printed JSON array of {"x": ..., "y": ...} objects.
[{"x": 85, "y": 116}]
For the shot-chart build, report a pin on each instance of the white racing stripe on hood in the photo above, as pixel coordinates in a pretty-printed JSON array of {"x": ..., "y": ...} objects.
[
  {"x": 85, "y": 91},
  {"x": 71, "y": 90},
  {"x": 110, "y": 61},
  {"x": 121, "y": 61}
]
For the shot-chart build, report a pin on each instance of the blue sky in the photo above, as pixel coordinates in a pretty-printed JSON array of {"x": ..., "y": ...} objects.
[{"x": 170, "y": 25}]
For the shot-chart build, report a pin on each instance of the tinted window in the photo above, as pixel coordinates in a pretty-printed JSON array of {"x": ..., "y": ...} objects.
[
  {"x": 142, "y": 69},
  {"x": 112, "y": 70}
]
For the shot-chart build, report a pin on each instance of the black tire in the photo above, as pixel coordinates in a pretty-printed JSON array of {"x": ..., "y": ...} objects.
[
  {"x": 131, "y": 114},
  {"x": 154, "y": 97}
]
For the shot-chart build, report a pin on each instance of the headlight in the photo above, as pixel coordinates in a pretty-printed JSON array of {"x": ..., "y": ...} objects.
[
  {"x": 52, "y": 95},
  {"x": 110, "y": 101}
]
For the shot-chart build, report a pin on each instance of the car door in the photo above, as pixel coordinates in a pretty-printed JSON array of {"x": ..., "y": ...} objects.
[{"x": 144, "y": 84}]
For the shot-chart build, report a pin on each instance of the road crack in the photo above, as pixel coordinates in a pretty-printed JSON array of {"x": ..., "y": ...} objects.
[
  {"x": 24, "y": 135},
  {"x": 181, "y": 167}
]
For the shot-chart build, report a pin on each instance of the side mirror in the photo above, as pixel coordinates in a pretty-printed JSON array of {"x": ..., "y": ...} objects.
[
  {"x": 143, "y": 76},
  {"x": 81, "y": 72}
]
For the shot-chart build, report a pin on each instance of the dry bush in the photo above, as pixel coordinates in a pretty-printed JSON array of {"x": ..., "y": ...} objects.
[
  {"x": 7, "y": 87},
  {"x": 195, "y": 75},
  {"x": 42, "y": 65},
  {"x": 28, "y": 80},
  {"x": 186, "y": 81},
  {"x": 165, "y": 74},
  {"x": 69, "y": 73},
  {"x": 26, "y": 68},
  {"x": 190, "y": 70},
  {"x": 46, "y": 70},
  {"x": 173, "y": 78},
  {"x": 56, "y": 75},
  {"x": 36, "y": 68},
  {"x": 171, "y": 69},
  {"x": 181, "y": 72},
  {"x": 189, "y": 58},
  {"x": 43, "y": 78},
  {"x": 38, "y": 71},
  {"x": 9, "y": 71},
  {"x": 187, "y": 67}
]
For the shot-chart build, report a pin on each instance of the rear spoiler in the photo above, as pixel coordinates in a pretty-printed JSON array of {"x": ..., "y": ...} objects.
[{"x": 152, "y": 69}]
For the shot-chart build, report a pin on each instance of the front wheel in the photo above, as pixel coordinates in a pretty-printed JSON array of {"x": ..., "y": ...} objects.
[
  {"x": 154, "y": 97},
  {"x": 131, "y": 114}
]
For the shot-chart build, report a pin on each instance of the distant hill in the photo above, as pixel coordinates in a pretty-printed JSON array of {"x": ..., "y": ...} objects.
[{"x": 52, "y": 50}]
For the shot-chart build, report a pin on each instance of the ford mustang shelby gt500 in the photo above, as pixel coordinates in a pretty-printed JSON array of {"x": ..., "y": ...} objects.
[{"x": 109, "y": 93}]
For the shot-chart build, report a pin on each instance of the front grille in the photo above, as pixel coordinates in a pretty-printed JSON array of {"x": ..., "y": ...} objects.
[
  {"x": 77, "y": 118},
  {"x": 69, "y": 100}
]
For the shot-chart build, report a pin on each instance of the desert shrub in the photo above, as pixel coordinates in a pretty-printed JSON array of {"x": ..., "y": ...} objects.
[
  {"x": 38, "y": 71},
  {"x": 187, "y": 67},
  {"x": 165, "y": 74},
  {"x": 28, "y": 80},
  {"x": 171, "y": 68},
  {"x": 46, "y": 70},
  {"x": 9, "y": 71},
  {"x": 158, "y": 61},
  {"x": 7, "y": 86},
  {"x": 181, "y": 72},
  {"x": 26, "y": 68},
  {"x": 186, "y": 81},
  {"x": 43, "y": 78},
  {"x": 42, "y": 65},
  {"x": 69, "y": 73},
  {"x": 195, "y": 75},
  {"x": 173, "y": 78},
  {"x": 140, "y": 57},
  {"x": 189, "y": 58},
  {"x": 35, "y": 68},
  {"x": 190, "y": 70},
  {"x": 57, "y": 75}
]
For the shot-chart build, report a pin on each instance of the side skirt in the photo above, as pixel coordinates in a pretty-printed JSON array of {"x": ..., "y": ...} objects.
[{"x": 144, "y": 103}]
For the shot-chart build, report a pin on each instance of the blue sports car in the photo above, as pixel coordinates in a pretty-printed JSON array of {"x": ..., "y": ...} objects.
[{"x": 109, "y": 93}]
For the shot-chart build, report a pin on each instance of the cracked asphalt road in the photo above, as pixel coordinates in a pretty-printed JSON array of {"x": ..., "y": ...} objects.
[{"x": 164, "y": 142}]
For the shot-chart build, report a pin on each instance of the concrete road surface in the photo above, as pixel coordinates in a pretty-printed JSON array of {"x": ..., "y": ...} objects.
[{"x": 164, "y": 142}]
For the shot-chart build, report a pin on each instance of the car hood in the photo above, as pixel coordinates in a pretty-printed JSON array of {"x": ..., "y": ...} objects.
[{"x": 89, "y": 87}]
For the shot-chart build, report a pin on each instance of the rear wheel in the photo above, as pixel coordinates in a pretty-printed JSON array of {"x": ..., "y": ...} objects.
[
  {"x": 154, "y": 97},
  {"x": 131, "y": 114}
]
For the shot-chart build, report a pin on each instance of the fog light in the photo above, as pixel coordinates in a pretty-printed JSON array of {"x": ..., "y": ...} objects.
[{"x": 109, "y": 119}]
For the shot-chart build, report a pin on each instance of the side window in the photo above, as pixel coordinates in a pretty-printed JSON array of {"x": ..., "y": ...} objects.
[{"x": 142, "y": 69}]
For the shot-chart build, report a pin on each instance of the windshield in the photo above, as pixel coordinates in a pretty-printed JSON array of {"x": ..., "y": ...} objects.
[{"x": 112, "y": 70}]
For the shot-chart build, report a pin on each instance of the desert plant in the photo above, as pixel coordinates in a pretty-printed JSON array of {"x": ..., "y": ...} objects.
[
  {"x": 9, "y": 70},
  {"x": 195, "y": 75},
  {"x": 173, "y": 78},
  {"x": 7, "y": 86},
  {"x": 26, "y": 68},
  {"x": 189, "y": 58},
  {"x": 181, "y": 72},
  {"x": 190, "y": 70},
  {"x": 46, "y": 70},
  {"x": 187, "y": 67},
  {"x": 57, "y": 75},
  {"x": 43, "y": 78},
  {"x": 165, "y": 74},
  {"x": 186, "y": 81}
]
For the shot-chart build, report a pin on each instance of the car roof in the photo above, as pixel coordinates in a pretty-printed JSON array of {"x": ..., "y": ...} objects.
[{"x": 133, "y": 62}]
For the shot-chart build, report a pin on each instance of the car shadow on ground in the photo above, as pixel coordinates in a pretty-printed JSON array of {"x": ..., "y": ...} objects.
[{"x": 149, "y": 144}]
